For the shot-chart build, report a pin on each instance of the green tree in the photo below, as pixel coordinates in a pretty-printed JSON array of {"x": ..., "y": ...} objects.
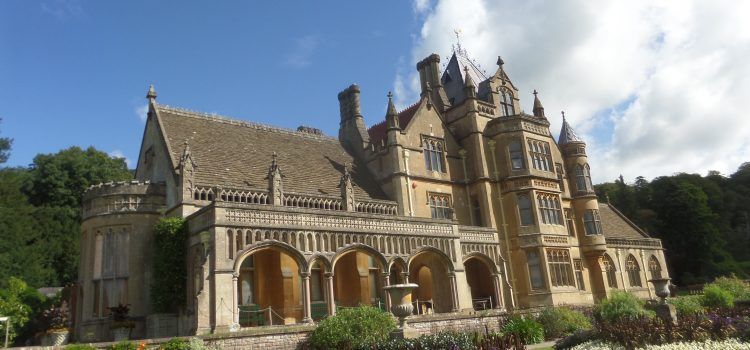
[
  {"x": 19, "y": 302},
  {"x": 59, "y": 180},
  {"x": 5, "y": 144}
]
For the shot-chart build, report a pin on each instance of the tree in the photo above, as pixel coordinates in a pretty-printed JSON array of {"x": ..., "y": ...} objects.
[
  {"x": 61, "y": 179},
  {"x": 5, "y": 144},
  {"x": 17, "y": 301}
]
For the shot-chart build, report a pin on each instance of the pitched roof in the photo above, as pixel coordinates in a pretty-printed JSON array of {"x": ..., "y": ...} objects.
[
  {"x": 377, "y": 132},
  {"x": 454, "y": 77},
  {"x": 567, "y": 135},
  {"x": 616, "y": 225},
  {"x": 237, "y": 154}
]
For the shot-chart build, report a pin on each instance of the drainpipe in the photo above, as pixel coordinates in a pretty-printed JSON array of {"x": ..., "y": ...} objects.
[{"x": 496, "y": 175}]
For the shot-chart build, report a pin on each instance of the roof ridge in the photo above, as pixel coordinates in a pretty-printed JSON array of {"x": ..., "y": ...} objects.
[
  {"x": 628, "y": 221},
  {"x": 412, "y": 106},
  {"x": 235, "y": 121}
]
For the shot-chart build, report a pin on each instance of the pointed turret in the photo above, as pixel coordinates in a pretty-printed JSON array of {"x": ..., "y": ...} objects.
[
  {"x": 469, "y": 88},
  {"x": 567, "y": 135},
  {"x": 391, "y": 116},
  {"x": 538, "y": 108},
  {"x": 151, "y": 94},
  {"x": 347, "y": 189}
]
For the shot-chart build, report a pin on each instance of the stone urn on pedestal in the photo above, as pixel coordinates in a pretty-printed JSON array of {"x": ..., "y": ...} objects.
[
  {"x": 402, "y": 308},
  {"x": 664, "y": 310}
]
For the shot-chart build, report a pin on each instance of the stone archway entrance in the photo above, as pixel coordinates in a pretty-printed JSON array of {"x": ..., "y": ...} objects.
[
  {"x": 481, "y": 282},
  {"x": 429, "y": 270},
  {"x": 357, "y": 278},
  {"x": 269, "y": 289}
]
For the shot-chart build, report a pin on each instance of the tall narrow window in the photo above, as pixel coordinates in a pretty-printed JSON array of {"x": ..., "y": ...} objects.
[
  {"x": 111, "y": 260},
  {"x": 516, "y": 155},
  {"x": 578, "y": 267},
  {"x": 549, "y": 209},
  {"x": 506, "y": 103},
  {"x": 374, "y": 284},
  {"x": 559, "y": 171},
  {"x": 477, "y": 210},
  {"x": 580, "y": 179},
  {"x": 433, "y": 154},
  {"x": 535, "y": 269},
  {"x": 230, "y": 245},
  {"x": 541, "y": 157},
  {"x": 569, "y": 222},
  {"x": 610, "y": 270},
  {"x": 591, "y": 222},
  {"x": 524, "y": 210},
  {"x": 440, "y": 206},
  {"x": 654, "y": 267},
  {"x": 634, "y": 271},
  {"x": 560, "y": 271},
  {"x": 587, "y": 171}
]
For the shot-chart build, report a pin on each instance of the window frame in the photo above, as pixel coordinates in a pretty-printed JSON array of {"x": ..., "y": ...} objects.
[
  {"x": 434, "y": 153},
  {"x": 560, "y": 268},
  {"x": 525, "y": 209},
  {"x": 592, "y": 222},
  {"x": 540, "y": 154},
  {"x": 441, "y": 205},
  {"x": 111, "y": 269},
  {"x": 550, "y": 210},
  {"x": 506, "y": 102},
  {"x": 578, "y": 270},
  {"x": 516, "y": 155},
  {"x": 633, "y": 269},
  {"x": 654, "y": 267},
  {"x": 536, "y": 273},
  {"x": 610, "y": 270}
]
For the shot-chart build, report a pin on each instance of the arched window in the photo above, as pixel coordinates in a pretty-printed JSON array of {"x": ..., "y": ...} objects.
[
  {"x": 549, "y": 209},
  {"x": 535, "y": 269},
  {"x": 587, "y": 171},
  {"x": 560, "y": 271},
  {"x": 433, "y": 154},
  {"x": 516, "y": 155},
  {"x": 506, "y": 102},
  {"x": 440, "y": 206},
  {"x": 610, "y": 270},
  {"x": 654, "y": 267},
  {"x": 591, "y": 222},
  {"x": 580, "y": 179},
  {"x": 541, "y": 157},
  {"x": 634, "y": 271},
  {"x": 524, "y": 210}
]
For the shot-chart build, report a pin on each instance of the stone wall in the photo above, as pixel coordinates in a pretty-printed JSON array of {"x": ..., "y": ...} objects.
[{"x": 478, "y": 322}]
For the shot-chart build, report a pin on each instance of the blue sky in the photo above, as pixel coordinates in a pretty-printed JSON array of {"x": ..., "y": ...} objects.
[
  {"x": 76, "y": 72},
  {"x": 653, "y": 87}
]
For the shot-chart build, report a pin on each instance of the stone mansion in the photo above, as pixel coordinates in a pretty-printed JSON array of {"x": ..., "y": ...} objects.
[{"x": 462, "y": 193}]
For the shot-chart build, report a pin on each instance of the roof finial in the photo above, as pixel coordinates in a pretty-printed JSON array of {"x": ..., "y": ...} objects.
[
  {"x": 538, "y": 108},
  {"x": 391, "y": 115},
  {"x": 151, "y": 94},
  {"x": 457, "y": 47},
  {"x": 563, "y": 115},
  {"x": 500, "y": 61}
]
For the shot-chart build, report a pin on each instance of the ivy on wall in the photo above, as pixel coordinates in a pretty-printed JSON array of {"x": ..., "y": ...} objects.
[{"x": 168, "y": 288}]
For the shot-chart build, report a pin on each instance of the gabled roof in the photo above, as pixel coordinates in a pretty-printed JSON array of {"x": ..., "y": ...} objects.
[
  {"x": 377, "y": 132},
  {"x": 567, "y": 135},
  {"x": 616, "y": 225},
  {"x": 454, "y": 77},
  {"x": 237, "y": 154}
]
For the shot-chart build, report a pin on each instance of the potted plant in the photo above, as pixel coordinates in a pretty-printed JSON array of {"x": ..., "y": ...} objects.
[
  {"x": 56, "y": 321},
  {"x": 121, "y": 323}
]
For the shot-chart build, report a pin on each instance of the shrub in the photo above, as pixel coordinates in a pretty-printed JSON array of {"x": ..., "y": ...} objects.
[
  {"x": 80, "y": 347},
  {"x": 56, "y": 318},
  {"x": 716, "y": 297},
  {"x": 688, "y": 305},
  {"x": 621, "y": 305},
  {"x": 353, "y": 328},
  {"x": 561, "y": 321},
  {"x": 175, "y": 344},
  {"x": 446, "y": 340},
  {"x": 169, "y": 264},
  {"x": 124, "y": 345},
  {"x": 526, "y": 329},
  {"x": 736, "y": 287},
  {"x": 578, "y": 337}
]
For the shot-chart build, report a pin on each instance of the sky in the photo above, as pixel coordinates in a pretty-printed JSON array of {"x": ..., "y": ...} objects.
[{"x": 653, "y": 87}]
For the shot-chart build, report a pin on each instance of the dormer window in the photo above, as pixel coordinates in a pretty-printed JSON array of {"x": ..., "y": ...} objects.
[
  {"x": 506, "y": 102},
  {"x": 434, "y": 153}
]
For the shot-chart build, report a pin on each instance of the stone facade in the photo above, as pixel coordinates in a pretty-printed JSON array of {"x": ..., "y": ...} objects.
[{"x": 462, "y": 193}]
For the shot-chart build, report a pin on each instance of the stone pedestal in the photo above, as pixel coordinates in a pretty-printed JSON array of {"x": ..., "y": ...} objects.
[{"x": 666, "y": 312}]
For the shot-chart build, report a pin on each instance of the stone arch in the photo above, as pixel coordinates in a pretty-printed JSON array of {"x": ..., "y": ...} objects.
[
  {"x": 358, "y": 276},
  {"x": 481, "y": 277},
  {"x": 433, "y": 271},
  {"x": 484, "y": 258},
  {"x": 396, "y": 270},
  {"x": 445, "y": 258},
  {"x": 364, "y": 247},
  {"x": 271, "y": 244},
  {"x": 319, "y": 258}
]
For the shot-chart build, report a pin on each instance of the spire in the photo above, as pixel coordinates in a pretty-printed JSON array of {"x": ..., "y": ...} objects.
[
  {"x": 567, "y": 135},
  {"x": 151, "y": 94},
  {"x": 469, "y": 87},
  {"x": 538, "y": 108},
  {"x": 391, "y": 116}
]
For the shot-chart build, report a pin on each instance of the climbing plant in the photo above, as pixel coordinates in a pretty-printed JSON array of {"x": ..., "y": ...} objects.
[{"x": 167, "y": 290}]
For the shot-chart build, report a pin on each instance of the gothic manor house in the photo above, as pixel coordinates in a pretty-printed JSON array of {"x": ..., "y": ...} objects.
[{"x": 462, "y": 193}]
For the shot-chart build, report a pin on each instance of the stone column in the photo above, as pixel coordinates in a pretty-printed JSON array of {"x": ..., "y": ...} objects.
[
  {"x": 307, "y": 317},
  {"x": 500, "y": 304},
  {"x": 454, "y": 292},
  {"x": 386, "y": 283},
  {"x": 235, "y": 305},
  {"x": 331, "y": 301}
]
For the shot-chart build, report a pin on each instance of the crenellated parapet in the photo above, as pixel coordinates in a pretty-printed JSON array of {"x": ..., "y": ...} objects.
[{"x": 123, "y": 197}]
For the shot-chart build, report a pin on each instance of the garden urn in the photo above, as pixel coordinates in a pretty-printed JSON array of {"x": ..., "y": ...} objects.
[{"x": 401, "y": 306}]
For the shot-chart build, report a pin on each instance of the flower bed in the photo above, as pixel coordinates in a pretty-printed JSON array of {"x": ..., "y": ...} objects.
[{"x": 729, "y": 344}]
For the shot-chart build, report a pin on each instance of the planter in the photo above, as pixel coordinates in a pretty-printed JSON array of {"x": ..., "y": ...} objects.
[
  {"x": 121, "y": 333},
  {"x": 56, "y": 338},
  {"x": 401, "y": 307}
]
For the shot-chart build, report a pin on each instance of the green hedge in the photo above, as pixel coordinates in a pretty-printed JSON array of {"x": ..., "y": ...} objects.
[
  {"x": 353, "y": 328},
  {"x": 168, "y": 289},
  {"x": 562, "y": 321}
]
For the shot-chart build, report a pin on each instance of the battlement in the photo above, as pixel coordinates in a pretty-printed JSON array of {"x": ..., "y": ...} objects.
[
  {"x": 123, "y": 196},
  {"x": 125, "y": 187}
]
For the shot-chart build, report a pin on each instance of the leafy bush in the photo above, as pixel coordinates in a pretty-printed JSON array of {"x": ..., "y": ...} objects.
[
  {"x": 169, "y": 264},
  {"x": 688, "y": 305},
  {"x": 561, "y": 321},
  {"x": 446, "y": 340},
  {"x": 124, "y": 345},
  {"x": 353, "y": 328},
  {"x": 621, "y": 305},
  {"x": 716, "y": 297},
  {"x": 526, "y": 329},
  {"x": 736, "y": 287},
  {"x": 175, "y": 344},
  {"x": 80, "y": 347},
  {"x": 13, "y": 304},
  {"x": 56, "y": 318},
  {"x": 578, "y": 337}
]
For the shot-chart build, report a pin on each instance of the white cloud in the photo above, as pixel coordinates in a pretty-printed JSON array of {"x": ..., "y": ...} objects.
[
  {"x": 654, "y": 88},
  {"x": 118, "y": 154},
  {"x": 63, "y": 9},
  {"x": 301, "y": 55},
  {"x": 142, "y": 112}
]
